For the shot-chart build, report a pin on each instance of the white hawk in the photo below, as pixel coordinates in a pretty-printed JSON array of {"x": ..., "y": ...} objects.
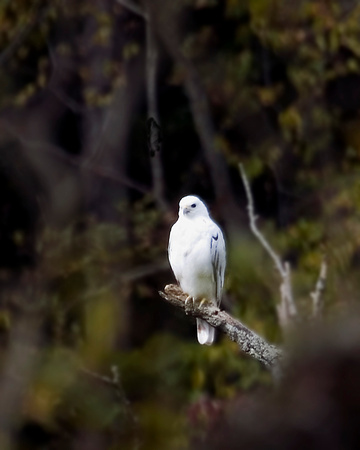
[{"x": 197, "y": 257}]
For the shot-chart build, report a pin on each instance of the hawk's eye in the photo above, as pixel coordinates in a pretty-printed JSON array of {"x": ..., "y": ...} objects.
[{"x": 193, "y": 205}]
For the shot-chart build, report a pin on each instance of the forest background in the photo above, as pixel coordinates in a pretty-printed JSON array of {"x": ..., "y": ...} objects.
[{"x": 91, "y": 357}]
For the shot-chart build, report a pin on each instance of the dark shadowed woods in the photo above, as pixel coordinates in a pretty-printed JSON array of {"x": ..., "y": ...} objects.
[{"x": 91, "y": 357}]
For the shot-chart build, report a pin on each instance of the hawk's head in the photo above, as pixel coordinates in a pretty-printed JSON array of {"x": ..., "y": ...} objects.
[{"x": 191, "y": 206}]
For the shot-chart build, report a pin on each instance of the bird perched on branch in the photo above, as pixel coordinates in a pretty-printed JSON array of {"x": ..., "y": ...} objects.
[{"x": 197, "y": 257}]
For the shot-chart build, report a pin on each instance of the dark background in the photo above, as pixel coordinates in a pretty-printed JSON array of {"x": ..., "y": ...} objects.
[{"x": 90, "y": 356}]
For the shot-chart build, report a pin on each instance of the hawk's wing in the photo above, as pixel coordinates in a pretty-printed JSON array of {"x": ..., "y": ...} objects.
[
  {"x": 174, "y": 247},
  {"x": 218, "y": 259}
]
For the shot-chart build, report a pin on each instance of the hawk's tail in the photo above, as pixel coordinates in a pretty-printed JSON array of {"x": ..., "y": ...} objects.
[{"x": 205, "y": 332}]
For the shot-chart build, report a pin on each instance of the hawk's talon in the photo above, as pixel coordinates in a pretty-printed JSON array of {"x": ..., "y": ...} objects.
[
  {"x": 189, "y": 304},
  {"x": 203, "y": 302}
]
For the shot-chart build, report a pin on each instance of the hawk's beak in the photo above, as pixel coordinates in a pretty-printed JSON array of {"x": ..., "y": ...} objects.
[{"x": 186, "y": 210}]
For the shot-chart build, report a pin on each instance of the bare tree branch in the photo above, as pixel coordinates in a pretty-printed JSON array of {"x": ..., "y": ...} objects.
[
  {"x": 133, "y": 7},
  {"x": 286, "y": 310},
  {"x": 113, "y": 382},
  {"x": 317, "y": 302},
  {"x": 152, "y": 57},
  {"x": 167, "y": 17},
  {"x": 248, "y": 341},
  {"x": 253, "y": 218},
  {"x": 200, "y": 109},
  {"x": 151, "y": 92},
  {"x": 60, "y": 154}
]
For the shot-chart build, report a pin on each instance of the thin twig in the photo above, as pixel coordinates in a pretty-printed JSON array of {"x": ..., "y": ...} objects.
[
  {"x": 317, "y": 302},
  {"x": 286, "y": 309},
  {"x": 129, "y": 276},
  {"x": 254, "y": 228},
  {"x": 114, "y": 382},
  {"x": 248, "y": 341},
  {"x": 56, "y": 72},
  {"x": 133, "y": 7}
]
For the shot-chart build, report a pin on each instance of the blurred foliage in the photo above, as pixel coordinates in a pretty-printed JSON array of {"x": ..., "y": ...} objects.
[
  {"x": 84, "y": 292},
  {"x": 87, "y": 378},
  {"x": 107, "y": 361}
]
